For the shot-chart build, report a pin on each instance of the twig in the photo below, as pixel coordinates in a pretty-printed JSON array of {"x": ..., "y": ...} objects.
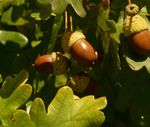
[
  {"x": 71, "y": 23},
  {"x": 66, "y": 20},
  {"x": 129, "y": 1}
]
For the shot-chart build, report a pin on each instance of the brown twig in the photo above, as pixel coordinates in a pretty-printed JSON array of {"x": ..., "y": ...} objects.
[
  {"x": 129, "y": 2},
  {"x": 66, "y": 20},
  {"x": 71, "y": 23}
]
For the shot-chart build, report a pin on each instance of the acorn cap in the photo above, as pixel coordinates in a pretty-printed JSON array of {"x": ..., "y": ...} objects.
[
  {"x": 131, "y": 9},
  {"x": 60, "y": 63},
  {"x": 70, "y": 38},
  {"x": 133, "y": 22},
  {"x": 79, "y": 82}
]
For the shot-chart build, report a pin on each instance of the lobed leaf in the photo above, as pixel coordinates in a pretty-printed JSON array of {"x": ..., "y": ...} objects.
[
  {"x": 138, "y": 65},
  {"x": 7, "y": 18},
  {"x": 59, "y": 6},
  {"x": 13, "y": 94},
  {"x": 20, "y": 118},
  {"x": 38, "y": 113},
  {"x": 8, "y": 105},
  {"x": 78, "y": 7},
  {"x": 104, "y": 23},
  {"x": 65, "y": 111},
  {"x": 11, "y": 83}
]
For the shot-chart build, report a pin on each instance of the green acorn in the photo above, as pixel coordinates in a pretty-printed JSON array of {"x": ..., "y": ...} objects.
[
  {"x": 81, "y": 50},
  {"x": 55, "y": 63}
]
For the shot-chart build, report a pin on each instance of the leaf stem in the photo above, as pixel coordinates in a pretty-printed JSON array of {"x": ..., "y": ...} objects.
[
  {"x": 66, "y": 20},
  {"x": 129, "y": 2},
  {"x": 71, "y": 23}
]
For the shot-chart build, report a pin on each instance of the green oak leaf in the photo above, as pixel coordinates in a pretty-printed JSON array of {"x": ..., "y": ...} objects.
[
  {"x": 119, "y": 29},
  {"x": 65, "y": 111},
  {"x": 11, "y": 83},
  {"x": 13, "y": 2},
  {"x": 104, "y": 23},
  {"x": 43, "y": 13},
  {"x": 118, "y": 5},
  {"x": 138, "y": 65},
  {"x": 19, "y": 96},
  {"x": 17, "y": 2},
  {"x": 106, "y": 29},
  {"x": 55, "y": 30},
  {"x": 5, "y": 3},
  {"x": 59, "y": 6},
  {"x": 15, "y": 37},
  {"x": 20, "y": 118},
  {"x": 61, "y": 80},
  {"x": 7, "y": 18},
  {"x": 78, "y": 7},
  {"x": 13, "y": 94},
  {"x": 8, "y": 105}
]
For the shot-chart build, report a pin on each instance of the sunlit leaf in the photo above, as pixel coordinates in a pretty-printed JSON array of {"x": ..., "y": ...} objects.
[
  {"x": 20, "y": 118},
  {"x": 11, "y": 83},
  {"x": 15, "y": 37},
  {"x": 17, "y": 95},
  {"x": 138, "y": 65},
  {"x": 69, "y": 112},
  {"x": 7, "y": 18},
  {"x": 36, "y": 16},
  {"x": 60, "y": 80},
  {"x": 43, "y": 13},
  {"x": 13, "y": 2},
  {"x": 58, "y": 7},
  {"x": 78, "y": 7}
]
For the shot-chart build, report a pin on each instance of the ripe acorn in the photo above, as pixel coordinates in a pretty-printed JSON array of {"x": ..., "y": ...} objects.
[
  {"x": 82, "y": 82},
  {"x": 81, "y": 50},
  {"x": 136, "y": 29},
  {"x": 55, "y": 63}
]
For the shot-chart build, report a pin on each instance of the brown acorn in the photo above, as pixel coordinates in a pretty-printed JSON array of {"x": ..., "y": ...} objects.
[
  {"x": 55, "y": 63},
  {"x": 81, "y": 50},
  {"x": 136, "y": 29},
  {"x": 141, "y": 42},
  {"x": 82, "y": 82}
]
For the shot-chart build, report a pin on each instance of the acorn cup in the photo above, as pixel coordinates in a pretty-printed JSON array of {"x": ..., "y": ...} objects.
[
  {"x": 135, "y": 29},
  {"x": 82, "y": 82},
  {"x": 81, "y": 50},
  {"x": 55, "y": 63}
]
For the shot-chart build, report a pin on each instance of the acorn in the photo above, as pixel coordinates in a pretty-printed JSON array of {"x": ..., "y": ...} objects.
[
  {"x": 135, "y": 28},
  {"x": 55, "y": 63},
  {"x": 82, "y": 82},
  {"x": 81, "y": 50}
]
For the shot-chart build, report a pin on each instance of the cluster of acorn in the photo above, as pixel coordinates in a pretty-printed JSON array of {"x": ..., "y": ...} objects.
[
  {"x": 136, "y": 29},
  {"x": 57, "y": 63},
  {"x": 74, "y": 43}
]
